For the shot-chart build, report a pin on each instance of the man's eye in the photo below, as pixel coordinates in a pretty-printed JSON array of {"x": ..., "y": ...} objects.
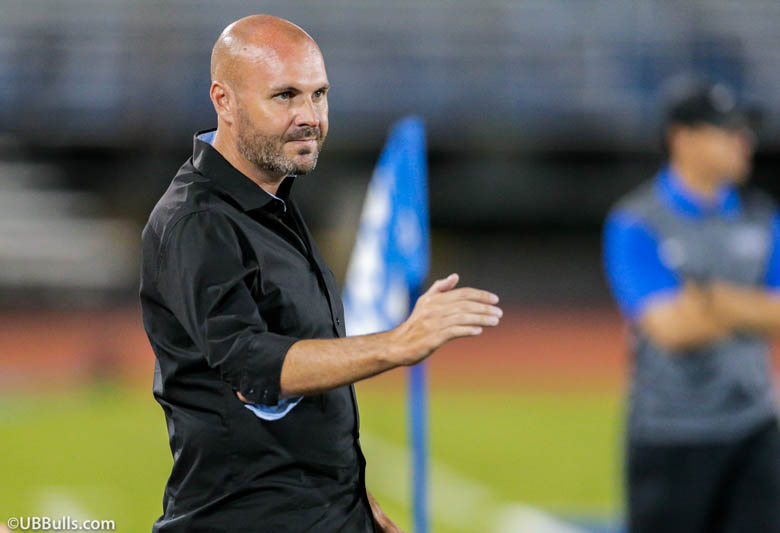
[
  {"x": 284, "y": 96},
  {"x": 319, "y": 93}
]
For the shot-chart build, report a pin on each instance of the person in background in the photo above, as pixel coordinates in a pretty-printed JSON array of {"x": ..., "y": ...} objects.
[{"x": 694, "y": 264}]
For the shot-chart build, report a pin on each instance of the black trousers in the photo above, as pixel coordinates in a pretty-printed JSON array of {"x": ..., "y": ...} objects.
[{"x": 716, "y": 488}]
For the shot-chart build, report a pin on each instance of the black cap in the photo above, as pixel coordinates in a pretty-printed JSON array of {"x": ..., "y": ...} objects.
[{"x": 697, "y": 102}]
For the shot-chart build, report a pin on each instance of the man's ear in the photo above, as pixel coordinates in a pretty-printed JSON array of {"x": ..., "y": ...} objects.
[{"x": 224, "y": 100}]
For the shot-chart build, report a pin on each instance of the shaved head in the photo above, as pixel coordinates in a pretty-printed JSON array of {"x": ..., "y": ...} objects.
[
  {"x": 251, "y": 40},
  {"x": 269, "y": 88}
]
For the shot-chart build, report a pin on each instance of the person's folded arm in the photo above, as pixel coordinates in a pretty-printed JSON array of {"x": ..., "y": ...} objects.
[
  {"x": 747, "y": 308},
  {"x": 650, "y": 294},
  {"x": 754, "y": 309},
  {"x": 683, "y": 320}
]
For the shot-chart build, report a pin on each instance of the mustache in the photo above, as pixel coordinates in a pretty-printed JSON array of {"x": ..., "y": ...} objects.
[{"x": 306, "y": 132}]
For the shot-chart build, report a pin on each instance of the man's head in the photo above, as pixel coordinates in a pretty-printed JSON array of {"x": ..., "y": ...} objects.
[
  {"x": 706, "y": 131},
  {"x": 269, "y": 89}
]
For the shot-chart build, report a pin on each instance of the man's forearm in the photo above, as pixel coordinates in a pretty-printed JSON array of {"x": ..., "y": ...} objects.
[
  {"x": 315, "y": 366},
  {"x": 746, "y": 309}
]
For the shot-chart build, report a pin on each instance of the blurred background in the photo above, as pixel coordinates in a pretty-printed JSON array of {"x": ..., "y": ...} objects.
[{"x": 540, "y": 114}]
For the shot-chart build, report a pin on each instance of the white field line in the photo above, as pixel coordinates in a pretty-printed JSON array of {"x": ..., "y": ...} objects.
[
  {"x": 457, "y": 501},
  {"x": 58, "y": 502}
]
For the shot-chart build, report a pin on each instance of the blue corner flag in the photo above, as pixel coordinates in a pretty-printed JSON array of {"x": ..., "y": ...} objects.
[{"x": 387, "y": 270}]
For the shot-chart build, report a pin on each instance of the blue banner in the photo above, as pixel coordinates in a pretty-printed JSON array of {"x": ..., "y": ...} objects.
[{"x": 391, "y": 257}]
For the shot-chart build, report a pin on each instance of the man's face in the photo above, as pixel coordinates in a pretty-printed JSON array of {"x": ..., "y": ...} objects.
[
  {"x": 724, "y": 153},
  {"x": 282, "y": 115}
]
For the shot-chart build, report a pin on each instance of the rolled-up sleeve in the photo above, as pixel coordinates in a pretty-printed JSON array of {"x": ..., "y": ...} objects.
[{"x": 205, "y": 278}]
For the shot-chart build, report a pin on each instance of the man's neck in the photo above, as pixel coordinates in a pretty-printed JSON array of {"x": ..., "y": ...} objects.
[
  {"x": 225, "y": 145},
  {"x": 696, "y": 180}
]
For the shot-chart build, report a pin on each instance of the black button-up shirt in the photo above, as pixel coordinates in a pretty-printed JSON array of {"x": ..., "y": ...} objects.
[{"x": 230, "y": 280}]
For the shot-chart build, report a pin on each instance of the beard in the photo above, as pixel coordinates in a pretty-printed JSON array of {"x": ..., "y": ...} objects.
[{"x": 267, "y": 151}]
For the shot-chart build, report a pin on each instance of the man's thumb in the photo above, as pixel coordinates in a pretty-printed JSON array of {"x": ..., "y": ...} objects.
[{"x": 446, "y": 284}]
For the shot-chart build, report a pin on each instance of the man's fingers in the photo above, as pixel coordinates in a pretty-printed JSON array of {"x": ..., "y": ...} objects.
[
  {"x": 469, "y": 319},
  {"x": 468, "y": 306},
  {"x": 468, "y": 293},
  {"x": 445, "y": 284},
  {"x": 454, "y": 332}
]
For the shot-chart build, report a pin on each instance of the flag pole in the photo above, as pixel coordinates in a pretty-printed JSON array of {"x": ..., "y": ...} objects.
[{"x": 418, "y": 432}]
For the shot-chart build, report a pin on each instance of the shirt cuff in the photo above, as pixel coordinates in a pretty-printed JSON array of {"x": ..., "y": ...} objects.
[{"x": 261, "y": 380}]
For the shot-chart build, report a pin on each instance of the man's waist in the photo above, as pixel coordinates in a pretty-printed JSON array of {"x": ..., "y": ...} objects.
[
  {"x": 273, "y": 485},
  {"x": 292, "y": 497},
  {"x": 684, "y": 428},
  {"x": 737, "y": 368}
]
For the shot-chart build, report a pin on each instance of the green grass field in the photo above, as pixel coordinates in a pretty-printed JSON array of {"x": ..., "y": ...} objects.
[{"x": 102, "y": 453}]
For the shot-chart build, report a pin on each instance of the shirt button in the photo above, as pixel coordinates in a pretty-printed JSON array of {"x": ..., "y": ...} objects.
[{"x": 338, "y": 321}]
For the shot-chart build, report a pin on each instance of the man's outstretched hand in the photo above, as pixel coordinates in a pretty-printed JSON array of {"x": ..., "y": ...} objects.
[{"x": 444, "y": 313}]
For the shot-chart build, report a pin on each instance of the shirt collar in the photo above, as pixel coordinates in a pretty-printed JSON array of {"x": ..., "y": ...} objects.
[
  {"x": 682, "y": 199},
  {"x": 227, "y": 178}
]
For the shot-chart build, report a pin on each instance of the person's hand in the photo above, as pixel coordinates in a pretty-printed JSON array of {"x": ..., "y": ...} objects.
[
  {"x": 695, "y": 298},
  {"x": 382, "y": 521},
  {"x": 685, "y": 320},
  {"x": 444, "y": 313}
]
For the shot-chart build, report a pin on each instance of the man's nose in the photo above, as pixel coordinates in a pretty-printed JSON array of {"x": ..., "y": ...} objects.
[{"x": 306, "y": 113}]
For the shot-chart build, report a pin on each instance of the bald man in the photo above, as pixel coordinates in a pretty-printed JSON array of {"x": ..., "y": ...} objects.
[{"x": 253, "y": 369}]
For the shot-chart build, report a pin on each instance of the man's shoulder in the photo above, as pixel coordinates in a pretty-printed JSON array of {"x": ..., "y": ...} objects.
[
  {"x": 639, "y": 202},
  {"x": 188, "y": 193}
]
